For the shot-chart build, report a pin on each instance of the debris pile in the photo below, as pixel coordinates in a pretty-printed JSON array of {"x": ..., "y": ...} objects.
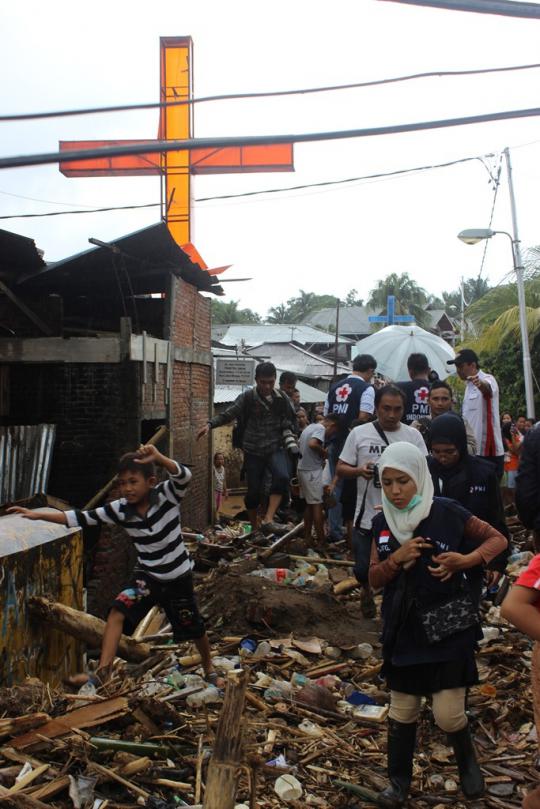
[{"x": 304, "y": 664}]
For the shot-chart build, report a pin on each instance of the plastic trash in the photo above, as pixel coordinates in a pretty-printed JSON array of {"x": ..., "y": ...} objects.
[
  {"x": 310, "y": 728},
  {"x": 321, "y": 576},
  {"x": 288, "y": 788},
  {"x": 358, "y": 698},
  {"x": 224, "y": 663},
  {"x": 280, "y": 761},
  {"x": 489, "y": 633},
  {"x": 277, "y": 574},
  {"x": 88, "y": 689},
  {"x": 328, "y": 681},
  {"x": 520, "y": 556},
  {"x": 81, "y": 789},
  {"x": 299, "y": 680},
  {"x": 248, "y": 645},
  {"x": 208, "y": 696},
  {"x": 262, "y": 649}
]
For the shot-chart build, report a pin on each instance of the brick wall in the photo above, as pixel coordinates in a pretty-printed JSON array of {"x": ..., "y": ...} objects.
[
  {"x": 96, "y": 410},
  {"x": 190, "y": 394}
]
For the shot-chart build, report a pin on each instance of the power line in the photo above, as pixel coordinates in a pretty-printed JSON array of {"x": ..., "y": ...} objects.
[
  {"x": 89, "y": 210},
  {"x": 508, "y": 8},
  {"x": 325, "y": 183},
  {"x": 188, "y": 144},
  {"x": 496, "y": 184},
  {"x": 32, "y": 116}
]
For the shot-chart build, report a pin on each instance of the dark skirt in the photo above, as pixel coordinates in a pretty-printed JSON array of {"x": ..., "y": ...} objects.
[{"x": 428, "y": 678}]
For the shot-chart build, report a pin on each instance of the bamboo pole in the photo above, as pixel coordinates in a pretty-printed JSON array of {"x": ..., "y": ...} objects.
[
  {"x": 227, "y": 756},
  {"x": 98, "y": 497}
]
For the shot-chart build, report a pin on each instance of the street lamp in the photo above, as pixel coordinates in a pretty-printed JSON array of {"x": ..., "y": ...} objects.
[{"x": 475, "y": 235}]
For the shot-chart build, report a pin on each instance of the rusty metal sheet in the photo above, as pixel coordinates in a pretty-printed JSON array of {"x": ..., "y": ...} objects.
[
  {"x": 19, "y": 534},
  {"x": 49, "y": 563},
  {"x": 25, "y": 460}
]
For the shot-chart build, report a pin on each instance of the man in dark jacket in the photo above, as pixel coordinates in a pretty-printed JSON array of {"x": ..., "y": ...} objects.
[
  {"x": 528, "y": 484},
  {"x": 265, "y": 417}
]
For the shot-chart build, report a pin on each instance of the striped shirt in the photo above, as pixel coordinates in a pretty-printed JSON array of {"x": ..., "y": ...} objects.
[{"x": 158, "y": 535}]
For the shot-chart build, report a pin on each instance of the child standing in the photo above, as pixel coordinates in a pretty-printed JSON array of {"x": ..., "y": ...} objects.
[
  {"x": 313, "y": 456},
  {"x": 150, "y": 513},
  {"x": 521, "y": 607},
  {"x": 220, "y": 481}
]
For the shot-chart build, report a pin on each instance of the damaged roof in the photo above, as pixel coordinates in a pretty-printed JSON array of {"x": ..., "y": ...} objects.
[
  {"x": 148, "y": 256},
  {"x": 18, "y": 254}
]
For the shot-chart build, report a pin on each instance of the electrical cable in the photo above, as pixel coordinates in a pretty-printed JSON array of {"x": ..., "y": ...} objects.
[
  {"x": 188, "y": 144},
  {"x": 496, "y": 182},
  {"x": 32, "y": 116},
  {"x": 88, "y": 210},
  {"x": 325, "y": 183}
]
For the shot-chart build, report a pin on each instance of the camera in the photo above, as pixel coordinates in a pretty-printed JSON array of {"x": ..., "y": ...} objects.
[{"x": 376, "y": 477}]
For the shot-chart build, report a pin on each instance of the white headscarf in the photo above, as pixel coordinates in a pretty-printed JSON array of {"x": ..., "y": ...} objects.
[{"x": 409, "y": 459}]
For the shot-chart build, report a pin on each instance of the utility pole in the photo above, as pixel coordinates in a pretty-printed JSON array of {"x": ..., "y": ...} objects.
[
  {"x": 518, "y": 266},
  {"x": 462, "y": 326},
  {"x": 337, "y": 338}
]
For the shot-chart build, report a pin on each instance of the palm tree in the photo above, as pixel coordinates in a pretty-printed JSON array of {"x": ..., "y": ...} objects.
[
  {"x": 278, "y": 314},
  {"x": 496, "y": 315},
  {"x": 230, "y": 313},
  {"x": 411, "y": 299}
]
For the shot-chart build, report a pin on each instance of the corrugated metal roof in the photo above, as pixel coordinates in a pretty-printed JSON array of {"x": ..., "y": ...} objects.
[
  {"x": 25, "y": 460},
  {"x": 252, "y": 334},
  {"x": 223, "y": 394},
  {"x": 352, "y": 319},
  {"x": 19, "y": 534},
  {"x": 299, "y": 361}
]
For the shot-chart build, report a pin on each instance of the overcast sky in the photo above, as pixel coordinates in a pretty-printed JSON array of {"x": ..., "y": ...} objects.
[{"x": 61, "y": 55}]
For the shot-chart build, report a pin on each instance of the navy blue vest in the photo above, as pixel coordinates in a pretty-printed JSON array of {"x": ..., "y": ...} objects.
[
  {"x": 404, "y": 640},
  {"x": 344, "y": 399}
]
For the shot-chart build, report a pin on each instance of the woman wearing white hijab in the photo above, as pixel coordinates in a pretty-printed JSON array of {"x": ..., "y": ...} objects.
[{"x": 421, "y": 546}]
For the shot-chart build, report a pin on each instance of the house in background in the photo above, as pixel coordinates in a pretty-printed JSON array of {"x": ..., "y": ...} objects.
[
  {"x": 108, "y": 345},
  {"x": 353, "y": 321}
]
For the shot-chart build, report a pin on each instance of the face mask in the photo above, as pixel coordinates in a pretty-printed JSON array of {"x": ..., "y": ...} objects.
[{"x": 415, "y": 500}]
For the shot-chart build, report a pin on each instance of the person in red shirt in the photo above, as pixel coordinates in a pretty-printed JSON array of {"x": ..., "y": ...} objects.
[{"x": 521, "y": 607}]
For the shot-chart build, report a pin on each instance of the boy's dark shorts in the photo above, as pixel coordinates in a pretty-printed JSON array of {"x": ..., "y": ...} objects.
[{"x": 176, "y": 597}]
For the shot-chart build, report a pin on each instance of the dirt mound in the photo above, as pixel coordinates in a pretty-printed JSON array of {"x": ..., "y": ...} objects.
[{"x": 238, "y": 604}]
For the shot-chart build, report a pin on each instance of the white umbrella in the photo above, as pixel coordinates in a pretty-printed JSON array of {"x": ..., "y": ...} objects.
[{"x": 392, "y": 345}]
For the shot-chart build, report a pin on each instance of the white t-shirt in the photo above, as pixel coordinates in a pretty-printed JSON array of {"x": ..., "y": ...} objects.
[
  {"x": 310, "y": 460},
  {"x": 365, "y": 445},
  {"x": 475, "y": 409}
]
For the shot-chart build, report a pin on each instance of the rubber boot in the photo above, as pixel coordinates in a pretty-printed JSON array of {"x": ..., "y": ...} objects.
[
  {"x": 532, "y": 799},
  {"x": 401, "y": 743},
  {"x": 470, "y": 776}
]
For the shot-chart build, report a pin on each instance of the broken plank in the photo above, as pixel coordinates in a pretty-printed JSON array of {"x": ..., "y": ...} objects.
[{"x": 86, "y": 717}]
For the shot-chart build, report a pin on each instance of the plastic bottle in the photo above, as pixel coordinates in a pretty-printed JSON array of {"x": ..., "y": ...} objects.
[
  {"x": 288, "y": 788},
  {"x": 87, "y": 690},
  {"x": 277, "y": 574},
  {"x": 208, "y": 696},
  {"x": 321, "y": 576},
  {"x": 262, "y": 649},
  {"x": 310, "y": 728},
  {"x": 224, "y": 663}
]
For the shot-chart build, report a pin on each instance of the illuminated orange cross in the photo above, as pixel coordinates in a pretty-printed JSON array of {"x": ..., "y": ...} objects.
[{"x": 176, "y": 168}]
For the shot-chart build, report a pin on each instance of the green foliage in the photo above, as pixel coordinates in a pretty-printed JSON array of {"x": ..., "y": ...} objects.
[
  {"x": 506, "y": 365},
  {"x": 230, "y": 313},
  {"x": 411, "y": 299},
  {"x": 473, "y": 289}
]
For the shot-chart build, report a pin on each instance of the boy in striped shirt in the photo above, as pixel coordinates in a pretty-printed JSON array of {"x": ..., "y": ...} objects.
[{"x": 150, "y": 513}]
